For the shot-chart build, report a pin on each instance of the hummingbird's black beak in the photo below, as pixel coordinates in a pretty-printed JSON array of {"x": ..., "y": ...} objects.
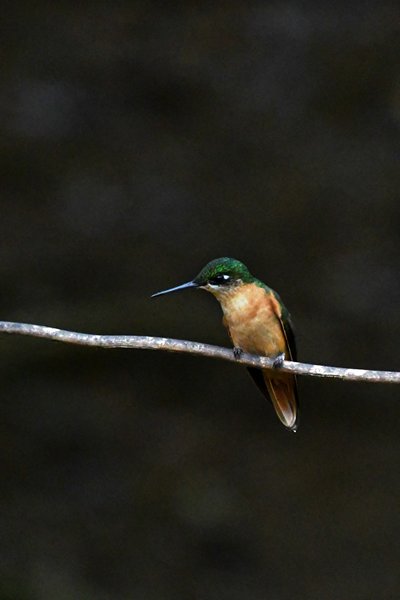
[{"x": 189, "y": 284}]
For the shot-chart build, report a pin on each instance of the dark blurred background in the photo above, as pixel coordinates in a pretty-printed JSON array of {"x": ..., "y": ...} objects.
[{"x": 139, "y": 141}]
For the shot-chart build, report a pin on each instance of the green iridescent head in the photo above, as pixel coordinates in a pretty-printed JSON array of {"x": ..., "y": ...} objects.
[{"x": 220, "y": 273}]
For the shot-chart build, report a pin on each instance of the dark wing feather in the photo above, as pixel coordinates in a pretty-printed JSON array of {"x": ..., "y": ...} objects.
[
  {"x": 287, "y": 327},
  {"x": 258, "y": 378}
]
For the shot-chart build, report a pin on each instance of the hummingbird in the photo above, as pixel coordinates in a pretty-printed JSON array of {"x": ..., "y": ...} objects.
[{"x": 258, "y": 323}]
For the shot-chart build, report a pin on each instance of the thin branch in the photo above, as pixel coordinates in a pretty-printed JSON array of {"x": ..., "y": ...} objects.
[{"x": 144, "y": 342}]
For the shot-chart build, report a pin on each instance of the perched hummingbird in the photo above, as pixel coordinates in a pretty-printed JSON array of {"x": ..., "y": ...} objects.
[{"x": 258, "y": 323}]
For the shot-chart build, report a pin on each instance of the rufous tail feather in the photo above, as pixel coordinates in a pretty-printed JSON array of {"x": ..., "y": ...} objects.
[{"x": 283, "y": 395}]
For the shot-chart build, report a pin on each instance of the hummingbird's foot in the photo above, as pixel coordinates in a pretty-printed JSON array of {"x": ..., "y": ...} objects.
[
  {"x": 237, "y": 352},
  {"x": 279, "y": 360}
]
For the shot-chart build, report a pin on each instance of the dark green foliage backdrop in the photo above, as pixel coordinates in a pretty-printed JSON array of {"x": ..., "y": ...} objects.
[{"x": 140, "y": 140}]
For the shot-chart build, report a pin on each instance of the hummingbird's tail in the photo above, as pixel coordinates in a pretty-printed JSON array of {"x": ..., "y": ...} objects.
[
  {"x": 283, "y": 394},
  {"x": 282, "y": 391}
]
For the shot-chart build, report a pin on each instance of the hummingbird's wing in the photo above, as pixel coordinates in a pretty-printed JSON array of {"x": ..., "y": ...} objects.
[{"x": 287, "y": 328}]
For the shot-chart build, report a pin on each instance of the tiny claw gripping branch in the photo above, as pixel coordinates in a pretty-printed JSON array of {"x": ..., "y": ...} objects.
[
  {"x": 237, "y": 352},
  {"x": 279, "y": 360}
]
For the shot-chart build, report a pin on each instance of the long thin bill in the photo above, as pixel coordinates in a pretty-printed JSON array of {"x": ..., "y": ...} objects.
[{"x": 189, "y": 284}]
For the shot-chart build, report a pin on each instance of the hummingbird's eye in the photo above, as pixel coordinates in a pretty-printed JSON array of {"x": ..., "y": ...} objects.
[{"x": 220, "y": 279}]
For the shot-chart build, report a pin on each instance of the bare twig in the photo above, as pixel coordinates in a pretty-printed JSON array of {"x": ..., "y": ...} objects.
[{"x": 144, "y": 342}]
